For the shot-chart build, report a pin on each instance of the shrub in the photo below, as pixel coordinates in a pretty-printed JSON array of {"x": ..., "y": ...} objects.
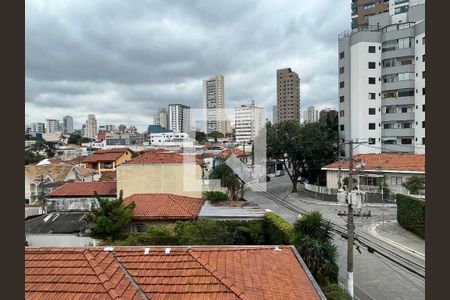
[
  {"x": 215, "y": 196},
  {"x": 411, "y": 214},
  {"x": 335, "y": 292},
  {"x": 277, "y": 230},
  {"x": 414, "y": 184}
]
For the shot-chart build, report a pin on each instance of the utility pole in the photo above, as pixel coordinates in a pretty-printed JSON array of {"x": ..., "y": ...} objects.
[{"x": 350, "y": 225}]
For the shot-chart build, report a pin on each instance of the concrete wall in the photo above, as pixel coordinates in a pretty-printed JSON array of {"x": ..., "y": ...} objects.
[
  {"x": 59, "y": 240},
  {"x": 420, "y": 98},
  {"x": 180, "y": 179}
]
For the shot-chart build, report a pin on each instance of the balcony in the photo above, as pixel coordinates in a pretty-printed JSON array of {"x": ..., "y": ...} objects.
[
  {"x": 406, "y": 84},
  {"x": 398, "y": 69},
  {"x": 398, "y": 101},
  {"x": 398, "y": 116},
  {"x": 394, "y": 132},
  {"x": 398, "y": 53},
  {"x": 397, "y": 148}
]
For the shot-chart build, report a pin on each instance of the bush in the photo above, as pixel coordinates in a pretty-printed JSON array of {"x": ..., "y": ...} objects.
[
  {"x": 411, "y": 214},
  {"x": 335, "y": 292},
  {"x": 415, "y": 184},
  {"x": 277, "y": 230},
  {"x": 215, "y": 196}
]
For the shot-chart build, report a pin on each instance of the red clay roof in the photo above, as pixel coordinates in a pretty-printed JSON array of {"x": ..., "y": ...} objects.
[
  {"x": 87, "y": 189},
  {"x": 235, "y": 151},
  {"x": 157, "y": 157},
  {"x": 113, "y": 150},
  {"x": 108, "y": 176},
  {"x": 164, "y": 207},
  {"x": 386, "y": 161},
  {"x": 96, "y": 157},
  {"x": 242, "y": 272},
  {"x": 75, "y": 161}
]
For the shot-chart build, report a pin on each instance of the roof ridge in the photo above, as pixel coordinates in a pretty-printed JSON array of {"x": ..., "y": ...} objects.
[
  {"x": 104, "y": 280},
  {"x": 173, "y": 196},
  {"x": 209, "y": 268}
]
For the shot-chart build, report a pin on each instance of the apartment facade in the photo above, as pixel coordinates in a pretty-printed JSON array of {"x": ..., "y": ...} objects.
[
  {"x": 214, "y": 104},
  {"x": 288, "y": 95},
  {"x": 38, "y": 127},
  {"x": 311, "y": 115},
  {"x": 67, "y": 124},
  {"x": 179, "y": 118},
  {"x": 363, "y": 9},
  {"x": 249, "y": 119},
  {"x": 382, "y": 83},
  {"x": 161, "y": 118},
  {"x": 275, "y": 114},
  {"x": 52, "y": 126},
  {"x": 90, "y": 128}
]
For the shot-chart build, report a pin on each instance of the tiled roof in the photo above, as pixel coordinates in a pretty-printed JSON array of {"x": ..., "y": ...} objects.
[
  {"x": 75, "y": 161},
  {"x": 86, "y": 189},
  {"x": 103, "y": 156},
  {"x": 223, "y": 272},
  {"x": 158, "y": 157},
  {"x": 235, "y": 151},
  {"x": 108, "y": 176},
  {"x": 113, "y": 150},
  {"x": 386, "y": 161},
  {"x": 164, "y": 207},
  {"x": 58, "y": 172},
  {"x": 85, "y": 171}
]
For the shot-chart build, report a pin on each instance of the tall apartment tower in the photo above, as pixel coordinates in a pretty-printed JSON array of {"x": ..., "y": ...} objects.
[
  {"x": 52, "y": 125},
  {"x": 38, "y": 127},
  {"x": 90, "y": 130},
  {"x": 275, "y": 114},
  {"x": 161, "y": 118},
  {"x": 311, "y": 115},
  {"x": 248, "y": 120},
  {"x": 382, "y": 83},
  {"x": 179, "y": 118},
  {"x": 363, "y": 9},
  {"x": 288, "y": 95},
  {"x": 214, "y": 104},
  {"x": 67, "y": 124}
]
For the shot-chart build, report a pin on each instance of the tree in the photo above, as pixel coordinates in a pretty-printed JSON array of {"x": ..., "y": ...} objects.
[
  {"x": 31, "y": 158},
  {"x": 384, "y": 186},
  {"x": 111, "y": 216},
  {"x": 215, "y": 134},
  {"x": 29, "y": 137},
  {"x": 200, "y": 137},
  {"x": 313, "y": 240},
  {"x": 414, "y": 184},
  {"x": 228, "y": 179}
]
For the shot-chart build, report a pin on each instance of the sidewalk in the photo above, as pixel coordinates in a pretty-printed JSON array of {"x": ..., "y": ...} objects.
[{"x": 392, "y": 233}]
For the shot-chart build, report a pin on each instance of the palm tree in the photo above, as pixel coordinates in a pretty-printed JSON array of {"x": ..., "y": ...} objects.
[{"x": 228, "y": 179}]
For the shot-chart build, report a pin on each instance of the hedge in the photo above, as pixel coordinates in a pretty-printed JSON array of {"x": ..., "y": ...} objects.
[
  {"x": 277, "y": 230},
  {"x": 215, "y": 196},
  {"x": 411, "y": 214}
]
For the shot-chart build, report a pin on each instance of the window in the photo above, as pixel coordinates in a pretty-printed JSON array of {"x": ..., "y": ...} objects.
[
  {"x": 341, "y": 84},
  {"x": 341, "y": 113},
  {"x": 390, "y": 110},
  {"x": 406, "y": 109},
  {"x": 423, "y": 41},
  {"x": 423, "y": 91},
  {"x": 423, "y": 124},
  {"x": 341, "y": 99},
  {"x": 341, "y": 70},
  {"x": 372, "y": 141},
  {"x": 371, "y": 65},
  {"x": 423, "y": 107},
  {"x": 372, "y": 49},
  {"x": 372, "y": 126},
  {"x": 372, "y": 111},
  {"x": 342, "y": 127},
  {"x": 423, "y": 58},
  {"x": 401, "y": 9},
  {"x": 406, "y": 141},
  {"x": 423, "y": 141},
  {"x": 405, "y": 125},
  {"x": 371, "y": 96},
  {"x": 388, "y": 125},
  {"x": 406, "y": 93},
  {"x": 389, "y": 46},
  {"x": 396, "y": 180},
  {"x": 140, "y": 228},
  {"x": 371, "y": 80},
  {"x": 369, "y": 6},
  {"x": 423, "y": 74},
  {"x": 341, "y": 55},
  {"x": 405, "y": 43}
]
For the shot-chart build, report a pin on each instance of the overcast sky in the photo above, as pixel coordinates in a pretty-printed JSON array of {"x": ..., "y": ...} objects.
[{"x": 123, "y": 60}]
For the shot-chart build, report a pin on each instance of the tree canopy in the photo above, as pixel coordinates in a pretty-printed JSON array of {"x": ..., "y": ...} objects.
[
  {"x": 414, "y": 184},
  {"x": 215, "y": 134}
]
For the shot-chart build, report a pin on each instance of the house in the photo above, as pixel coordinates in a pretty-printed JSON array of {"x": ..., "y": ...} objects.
[
  {"x": 80, "y": 196},
  {"x": 162, "y": 209},
  {"x": 195, "y": 272},
  {"x": 371, "y": 168},
  {"x": 41, "y": 180},
  {"x": 107, "y": 159},
  {"x": 161, "y": 172}
]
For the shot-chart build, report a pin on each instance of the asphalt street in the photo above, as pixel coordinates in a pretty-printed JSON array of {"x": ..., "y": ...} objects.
[{"x": 375, "y": 277}]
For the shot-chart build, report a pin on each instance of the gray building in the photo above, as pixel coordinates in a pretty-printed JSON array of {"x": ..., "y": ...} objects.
[
  {"x": 382, "y": 83},
  {"x": 288, "y": 95},
  {"x": 38, "y": 127},
  {"x": 214, "y": 104},
  {"x": 275, "y": 114},
  {"x": 67, "y": 124},
  {"x": 179, "y": 118}
]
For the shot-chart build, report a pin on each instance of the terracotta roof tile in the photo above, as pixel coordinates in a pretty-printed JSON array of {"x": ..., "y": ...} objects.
[
  {"x": 164, "y": 207},
  {"x": 87, "y": 189},
  {"x": 158, "y": 157},
  {"x": 96, "y": 157},
  {"x": 58, "y": 172},
  {"x": 108, "y": 176},
  {"x": 386, "y": 161},
  {"x": 235, "y": 151},
  {"x": 222, "y": 272}
]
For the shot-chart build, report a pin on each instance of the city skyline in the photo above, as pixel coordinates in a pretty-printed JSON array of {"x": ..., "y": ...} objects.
[{"x": 83, "y": 70}]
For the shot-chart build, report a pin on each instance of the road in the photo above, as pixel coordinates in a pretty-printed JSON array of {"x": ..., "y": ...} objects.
[{"x": 375, "y": 276}]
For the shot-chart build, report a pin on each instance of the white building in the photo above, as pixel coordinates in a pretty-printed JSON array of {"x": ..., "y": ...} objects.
[
  {"x": 382, "y": 83},
  {"x": 90, "y": 130},
  {"x": 67, "y": 124},
  {"x": 38, "y": 127},
  {"x": 311, "y": 115},
  {"x": 214, "y": 104},
  {"x": 106, "y": 128},
  {"x": 52, "y": 125},
  {"x": 179, "y": 118},
  {"x": 168, "y": 138},
  {"x": 249, "y": 119},
  {"x": 161, "y": 118}
]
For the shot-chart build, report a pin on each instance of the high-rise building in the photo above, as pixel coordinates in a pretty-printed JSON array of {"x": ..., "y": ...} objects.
[
  {"x": 362, "y": 9},
  {"x": 179, "y": 118},
  {"x": 214, "y": 104},
  {"x": 67, "y": 124},
  {"x": 90, "y": 130},
  {"x": 324, "y": 113},
  {"x": 275, "y": 114},
  {"x": 288, "y": 95},
  {"x": 38, "y": 127},
  {"x": 161, "y": 118},
  {"x": 382, "y": 83},
  {"x": 311, "y": 115},
  {"x": 249, "y": 119},
  {"x": 52, "y": 126}
]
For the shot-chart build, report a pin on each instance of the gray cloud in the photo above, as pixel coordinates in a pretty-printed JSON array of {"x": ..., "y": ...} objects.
[{"x": 123, "y": 60}]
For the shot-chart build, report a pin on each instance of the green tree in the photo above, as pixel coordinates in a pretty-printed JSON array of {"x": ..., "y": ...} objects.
[
  {"x": 414, "y": 184},
  {"x": 31, "y": 158},
  {"x": 111, "y": 216},
  {"x": 200, "y": 137},
  {"x": 215, "y": 134},
  {"x": 313, "y": 240},
  {"x": 29, "y": 137},
  {"x": 228, "y": 179}
]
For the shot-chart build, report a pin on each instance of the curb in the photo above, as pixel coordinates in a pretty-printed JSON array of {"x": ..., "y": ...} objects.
[{"x": 372, "y": 231}]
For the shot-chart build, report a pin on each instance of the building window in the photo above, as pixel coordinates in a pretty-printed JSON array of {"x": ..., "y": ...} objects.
[
  {"x": 342, "y": 127},
  {"x": 423, "y": 74},
  {"x": 341, "y": 84},
  {"x": 423, "y": 58},
  {"x": 140, "y": 227},
  {"x": 372, "y": 126},
  {"x": 406, "y": 93},
  {"x": 423, "y": 91},
  {"x": 423, "y": 141},
  {"x": 396, "y": 180},
  {"x": 372, "y": 111},
  {"x": 371, "y": 65},
  {"x": 406, "y": 141},
  {"x": 423, "y": 41},
  {"x": 372, "y": 80},
  {"x": 341, "y": 113},
  {"x": 423, "y": 107},
  {"x": 341, "y": 55},
  {"x": 388, "y": 125},
  {"x": 341, "y": 70},
  {"x": 372, "y": 96},
  {"x": 372, "y": 49},
  {"x": 372, "y": 141},
  {"x": 406, "y": 125},
  {"x": 423, "y": 124},
  {"x": 406, "y": 109},
  {"x": 341, "y": 99}
]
